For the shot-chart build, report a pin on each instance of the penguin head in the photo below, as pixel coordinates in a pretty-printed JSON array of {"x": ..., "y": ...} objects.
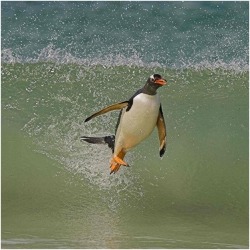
[
  {"x": 153, "y": 83},
  {"x": 157, "y": 80}
]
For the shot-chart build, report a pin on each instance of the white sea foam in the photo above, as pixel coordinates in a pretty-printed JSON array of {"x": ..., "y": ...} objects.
[{"x": 60, "y": 56}]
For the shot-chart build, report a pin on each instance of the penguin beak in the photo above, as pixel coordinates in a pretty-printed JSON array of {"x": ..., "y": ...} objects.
[{"x": 161, "y": 81}]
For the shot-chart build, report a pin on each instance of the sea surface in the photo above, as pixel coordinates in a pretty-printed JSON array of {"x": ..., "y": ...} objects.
[{"x": 63, "y": 61}]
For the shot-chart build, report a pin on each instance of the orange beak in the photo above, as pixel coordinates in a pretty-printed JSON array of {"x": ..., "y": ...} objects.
[{"x": 161, "y": 81}]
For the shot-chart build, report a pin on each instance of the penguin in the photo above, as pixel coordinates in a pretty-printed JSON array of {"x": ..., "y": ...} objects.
[{"x": 137, "y": 119}]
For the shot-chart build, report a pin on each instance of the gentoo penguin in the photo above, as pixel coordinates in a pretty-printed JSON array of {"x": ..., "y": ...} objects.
[{"x": 138, "y": 117}]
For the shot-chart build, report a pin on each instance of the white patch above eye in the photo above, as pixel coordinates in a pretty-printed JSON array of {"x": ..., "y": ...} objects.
[{"x": 152, "y": 77}]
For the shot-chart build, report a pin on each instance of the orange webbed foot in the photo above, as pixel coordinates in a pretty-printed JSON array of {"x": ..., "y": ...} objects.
[
  {"x": 114, "y": 168},
  {"x": 118, "y": 160},
  {"x": 116, "y": 163}
]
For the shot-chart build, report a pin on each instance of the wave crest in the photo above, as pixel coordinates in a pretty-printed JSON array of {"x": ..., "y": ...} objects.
[{"x": 61, "y": 56}]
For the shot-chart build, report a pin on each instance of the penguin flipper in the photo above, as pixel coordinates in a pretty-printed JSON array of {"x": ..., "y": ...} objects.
[
  {"x": 161, "y": 126},
  {"x": 116, "y": 106}
]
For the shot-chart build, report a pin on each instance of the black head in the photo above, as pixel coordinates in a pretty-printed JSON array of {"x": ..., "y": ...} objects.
[{"x": 153, "y": 83}]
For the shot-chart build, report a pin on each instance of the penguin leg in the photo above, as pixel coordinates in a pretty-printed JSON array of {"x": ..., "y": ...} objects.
[{"x": 117, "y": 161}]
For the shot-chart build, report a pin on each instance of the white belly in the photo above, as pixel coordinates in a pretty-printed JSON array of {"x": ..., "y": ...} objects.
[{"x": 138, "y": 123}]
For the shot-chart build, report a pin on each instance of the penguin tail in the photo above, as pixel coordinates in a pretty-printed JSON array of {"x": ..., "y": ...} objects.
[{"x": 109, "y": 140}]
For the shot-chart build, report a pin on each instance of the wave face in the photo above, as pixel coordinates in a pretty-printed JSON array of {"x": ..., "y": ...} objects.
[{"x": 61, "y": 62}]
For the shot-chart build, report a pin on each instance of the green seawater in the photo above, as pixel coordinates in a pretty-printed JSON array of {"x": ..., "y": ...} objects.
[{"x": 57, "y": 191}]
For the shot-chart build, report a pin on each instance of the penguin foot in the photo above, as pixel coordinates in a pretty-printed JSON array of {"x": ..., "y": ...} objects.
[
  {"x": 114, "y": 168},
  {"x": 118, "y": 160},
  {"x": 116, "y": 163}
]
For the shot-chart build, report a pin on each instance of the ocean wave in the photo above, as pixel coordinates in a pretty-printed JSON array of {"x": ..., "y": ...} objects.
[{"x": 51, "y": 54}]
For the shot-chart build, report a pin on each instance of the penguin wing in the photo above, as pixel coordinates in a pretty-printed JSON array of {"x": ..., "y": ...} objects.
[
  {"x": 116, "y": 106},
  {"x": 161, "y": 132}
]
